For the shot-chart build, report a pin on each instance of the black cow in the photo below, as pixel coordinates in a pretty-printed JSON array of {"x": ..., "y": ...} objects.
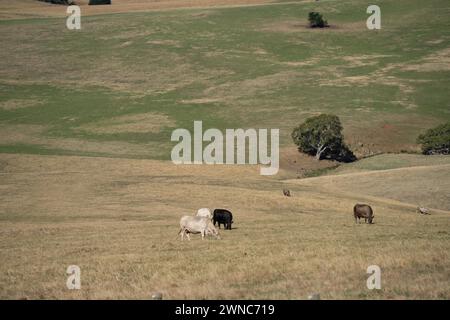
[{"x": 223, "y": 216}]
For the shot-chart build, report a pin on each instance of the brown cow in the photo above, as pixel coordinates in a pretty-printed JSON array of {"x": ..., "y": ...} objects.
[{"x": 363, "y": 211}]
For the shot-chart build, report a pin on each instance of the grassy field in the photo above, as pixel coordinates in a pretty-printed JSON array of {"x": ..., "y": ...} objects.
[
  {"x": 118, "y": 218},
  {"x": 85, "y": 124},
  {"x": 252, "y": 66}
]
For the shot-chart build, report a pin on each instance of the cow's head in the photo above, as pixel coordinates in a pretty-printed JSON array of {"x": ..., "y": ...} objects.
[
  {"x": 212, "y": 231},
  {"x": 371, "y": 219}
]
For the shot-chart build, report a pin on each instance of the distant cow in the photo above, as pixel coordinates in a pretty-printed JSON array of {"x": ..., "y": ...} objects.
[
  {"x": 363, "y": 211},
  {"x": 204, "y": 212},
  {"x": 195, "y": 225},
  {"x": 422, "y": 210},
  {"x": 286, "y": 192},
  {"x": 223, "y": 216}
]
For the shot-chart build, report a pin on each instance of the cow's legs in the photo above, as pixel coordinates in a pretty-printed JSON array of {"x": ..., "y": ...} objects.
[
  {"x": 203, "y": 235},
  {"x": 188, "y": 236}
]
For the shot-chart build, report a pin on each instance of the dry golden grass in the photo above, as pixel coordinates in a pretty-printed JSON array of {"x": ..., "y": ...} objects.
[
  {"x": 421, "y": 185},
  {"x": 117, "y": 219}
]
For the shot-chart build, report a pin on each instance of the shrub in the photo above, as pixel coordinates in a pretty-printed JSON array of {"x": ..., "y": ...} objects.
[
  {"x": 316, "y": 20},
  {"x": 66, "y": 2},
  {"x": 96, "y": 2},
  {"x": 321, "y": 136},
  {"x": 436, "y": 140}
]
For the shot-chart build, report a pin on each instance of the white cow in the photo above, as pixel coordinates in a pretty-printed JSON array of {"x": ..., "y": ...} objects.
[
  {"x": 204, "y": 212},
  {"x": 423, "y": 210},
  {"x": 202, "y": 225}
]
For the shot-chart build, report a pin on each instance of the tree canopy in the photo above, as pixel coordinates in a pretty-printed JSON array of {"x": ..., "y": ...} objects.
[
  {"x": 321, "y": 136},
  {"x": 316, "y": 20},
  {"x": 436, "y": 140}
]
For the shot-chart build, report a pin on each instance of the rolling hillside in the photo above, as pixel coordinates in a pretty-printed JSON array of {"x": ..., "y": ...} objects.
[
  {"x": 85, "y": 171},
  {"x": 118, "y": 218},
  {"x": 88, "y": 92}
]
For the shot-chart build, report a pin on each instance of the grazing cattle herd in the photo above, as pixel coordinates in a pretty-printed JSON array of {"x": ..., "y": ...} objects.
[{"x": 204, "y": 222}]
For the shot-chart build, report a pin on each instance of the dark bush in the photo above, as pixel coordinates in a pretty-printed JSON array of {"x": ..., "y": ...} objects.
[
  {"x": 436, "y": 140},
  {"x": 96, "y": 2},
  {"x": 316, "y": 20},
  {"x": 321, "y": 136},
  {"x": 343, "y": 154},
  {"x": 65, "y": 2}
]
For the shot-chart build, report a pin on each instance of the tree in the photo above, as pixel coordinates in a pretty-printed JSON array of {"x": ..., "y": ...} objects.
[
  {"x": 316, "y": 20},
  {"x": 321, "y": 136},
  {"x": 436, "y": 140}
]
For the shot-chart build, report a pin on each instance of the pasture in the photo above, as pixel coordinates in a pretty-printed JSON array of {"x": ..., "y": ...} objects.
[{"x": 85, "y": 170}]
